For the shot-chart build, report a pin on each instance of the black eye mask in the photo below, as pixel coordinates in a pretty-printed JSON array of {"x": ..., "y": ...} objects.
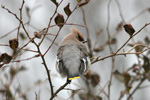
[
  {"x": 80, "y": 39},
  {"x": 85, "y": 41}
]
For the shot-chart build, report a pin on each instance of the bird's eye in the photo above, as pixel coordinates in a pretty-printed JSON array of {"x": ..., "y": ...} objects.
[{"x": 80, "y": 38}]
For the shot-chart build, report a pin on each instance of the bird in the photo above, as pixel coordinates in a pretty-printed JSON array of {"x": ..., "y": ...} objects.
[{"x": 72, "y": 59}]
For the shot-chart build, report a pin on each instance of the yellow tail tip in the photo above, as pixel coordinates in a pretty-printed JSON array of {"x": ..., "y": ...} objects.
[{"x": 74, "y": 78}]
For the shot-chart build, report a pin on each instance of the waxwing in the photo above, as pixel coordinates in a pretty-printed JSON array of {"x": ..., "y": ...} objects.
[{"x": 72, "y": 56}]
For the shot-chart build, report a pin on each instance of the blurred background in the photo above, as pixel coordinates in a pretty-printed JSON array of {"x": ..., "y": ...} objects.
[{"x": 32, "y": 79}]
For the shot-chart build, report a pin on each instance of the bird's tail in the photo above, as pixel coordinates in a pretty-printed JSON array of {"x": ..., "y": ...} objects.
[{"x": 71, "y": 77}]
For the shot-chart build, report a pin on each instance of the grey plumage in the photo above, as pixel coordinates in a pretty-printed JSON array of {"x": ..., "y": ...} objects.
[{"x": 72, "y": 56}]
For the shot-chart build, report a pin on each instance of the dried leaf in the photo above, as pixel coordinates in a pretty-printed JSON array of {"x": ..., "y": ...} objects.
[
  {"x": 129, "y": 29},
  {"x": 127, "y": 78},
  {"x": 113, "y": 41},
  {"x": 67, "y": 10},
  {"x": 38, "y": 82},
  {"x": 84, "y": 3},
  {"x": 9, "y": 94},
  {"x": 128, "y": 88},
  {"x": 146, "y": 64},
  {"x": 131, "y": 45},
  {"x": 13, "y": 44},
  {"x": 138, "y": 48},
  {"x": 23, "y": 37},
  {"x": 37, "y": 35},
  {"x": 119, "y": 76},
  {"x": 98, "y": 98},
  {"x": 2, "y": 91},
  {"x": 13, "y": 72},
  {"x": 88, "y": 75},
  {"x": 119, "y": 26},
  {"x": 100, "y": 48},
  {"x": 55, "y": 2},
  {"x": 147, "y": 40},
  {"x": 59, "y": 20},
  {"x": 95, "y": 80},
  {"x": 99, "y": 32},
  {"x": 135, "y": 68},
  {"x": 5, "y": 58},
  {"x": 148, "y": 76},
  {"x": 22, "y": 68},
  {"x": 149, "y": 10},
  {"x": 79, "y": 1},
  {"x": 83, "y": 96},
  {"x": 18, "y": 89},
  {"x": 27, "y": 11},
  {"x": 122, "y": 77}
]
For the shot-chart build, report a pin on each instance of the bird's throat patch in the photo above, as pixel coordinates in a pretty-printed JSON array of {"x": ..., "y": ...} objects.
[{"x": 74, "y": 78}]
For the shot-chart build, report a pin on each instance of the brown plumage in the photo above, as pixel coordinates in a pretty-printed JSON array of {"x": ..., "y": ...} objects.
[{"x": 72, "y": 56}]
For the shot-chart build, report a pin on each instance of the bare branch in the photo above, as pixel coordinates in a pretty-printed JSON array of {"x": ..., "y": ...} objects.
[
  {"x": 59, "y": 31},
  {"x": 124, "y": 53},
  {"x": 20, "y": 19},
  {"x": 132, "y": 37},
  {"x": 61, "y": 88},
  {"x": 137, "y": 87},
  {"x": 88, "y": 36},
  {"x": 110, "y": 48},
  {"x": 50, "y": 21},
  {"x": 17, "y": 19},
  {"x": 120, "y": 11}
]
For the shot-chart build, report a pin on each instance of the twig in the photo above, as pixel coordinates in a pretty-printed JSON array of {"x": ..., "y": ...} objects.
[
  {"x": 10, "y": 12},
  {"x": 63, "y": 24},
  {"x": 36, "y": 96},
  {"x": 50, "y": 21},
  {"x": 136, "y": 88},
  {"x": 31, "y": 40},
  {"x": 61, "y": 88},
  {"x": 20, "y": 18},
  {"x": 132, "y": 37},
  {"x": 136, "y": 46},
  {"x": 20, "y": 48},
  {"x": 17, "y": 19},
  {"x": 47, "y": 70},
  {"x": 102, "y": 89},
  {"x": 12, "y": 31},
  {"x": 139, "y": 14},
  {"x": 111, "y": 36},
  {"x": 4, "y": 45},
  {"x": 124, "y": 53},
  {"x": 30, "y": 50},
  {"x": 132, "y": 19},
  {"x": 52, "y": 40},
  {"x": 120, "y": 11},
  {"x": 87, "y": 31},
  {"x": 146, "y": 86},
  {"x": 73, "y": 93},
  {"x": 59, "y": 31},
  {"x": 29, "y": 88},
  {"x": 110, "y": 48},
  {"x": 35, "y": 56}
]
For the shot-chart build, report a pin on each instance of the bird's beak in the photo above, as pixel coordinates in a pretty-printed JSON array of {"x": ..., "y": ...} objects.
[{"x": 84, "y": 41}]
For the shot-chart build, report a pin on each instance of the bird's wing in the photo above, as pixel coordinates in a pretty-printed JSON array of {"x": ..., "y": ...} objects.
[
  {"x": 85, "y": 62},
  {"x": 59, "y": 62},
  {"x": 83, "y": 50}
]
